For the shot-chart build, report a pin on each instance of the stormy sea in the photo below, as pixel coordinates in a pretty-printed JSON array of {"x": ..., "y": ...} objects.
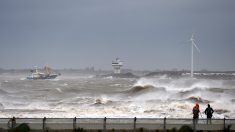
[{"x": 75, "y": 94}]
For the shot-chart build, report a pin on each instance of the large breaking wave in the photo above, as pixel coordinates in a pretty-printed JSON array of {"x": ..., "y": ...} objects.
[
  {"x": 219, "y": 93},
  {"x": 89, "y": 96}
]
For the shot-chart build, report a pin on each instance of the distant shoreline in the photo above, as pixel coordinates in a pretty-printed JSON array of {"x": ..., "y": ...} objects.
[{"x": 124, "y": 70}]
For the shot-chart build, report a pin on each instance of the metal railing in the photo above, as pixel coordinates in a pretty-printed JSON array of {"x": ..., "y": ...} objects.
[{"x": 116, "y": 123}]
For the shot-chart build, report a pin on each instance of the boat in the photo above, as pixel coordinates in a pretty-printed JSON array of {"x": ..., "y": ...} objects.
[{"x": 47, "y": 74}]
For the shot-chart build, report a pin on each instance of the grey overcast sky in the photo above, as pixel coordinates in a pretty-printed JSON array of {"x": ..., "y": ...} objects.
[{"x": 145, "y": 34}]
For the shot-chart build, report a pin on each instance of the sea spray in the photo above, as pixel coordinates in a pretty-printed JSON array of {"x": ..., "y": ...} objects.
[{"x": 90, "y": 96}]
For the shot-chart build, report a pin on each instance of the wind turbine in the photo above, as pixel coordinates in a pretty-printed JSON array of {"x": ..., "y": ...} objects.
[{"x": 192, "y": 47}]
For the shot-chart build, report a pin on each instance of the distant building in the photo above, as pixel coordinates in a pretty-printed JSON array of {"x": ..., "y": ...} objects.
[{"x": 117, "y": 64}]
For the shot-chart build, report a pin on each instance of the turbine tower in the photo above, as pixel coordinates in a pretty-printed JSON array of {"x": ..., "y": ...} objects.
[{"x": 192, "y": 47}]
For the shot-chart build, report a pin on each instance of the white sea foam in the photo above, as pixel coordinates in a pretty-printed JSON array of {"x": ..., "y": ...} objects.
[
  {"x": 59, "y": 90},
  {"x": 145, "y": 97}
]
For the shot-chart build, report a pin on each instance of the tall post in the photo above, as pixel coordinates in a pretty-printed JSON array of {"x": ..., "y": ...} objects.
[
  {"x": 224, "y": 124},
  {"x": 74, "y": 123},
  {"x": 135, "y": 124},
  {"x": 192, "y": 59},
  {"x": 104, "y": 128},
  {"x": 44, "y": 124},
  {"x": 164, "y": 125}
]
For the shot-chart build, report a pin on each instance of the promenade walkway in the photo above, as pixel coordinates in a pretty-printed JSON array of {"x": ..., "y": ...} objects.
[{"x": 130, "y": 124}]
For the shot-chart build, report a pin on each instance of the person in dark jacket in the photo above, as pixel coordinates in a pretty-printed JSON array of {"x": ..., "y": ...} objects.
[
  {"x": 196, "y": 112},
  {"x": 209, "y": 113}
]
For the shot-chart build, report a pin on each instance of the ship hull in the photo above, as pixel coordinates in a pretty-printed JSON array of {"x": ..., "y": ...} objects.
[{"x": 42, "y": 77}]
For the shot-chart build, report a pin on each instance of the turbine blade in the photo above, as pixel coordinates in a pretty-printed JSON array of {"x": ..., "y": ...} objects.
[{"x": 196, "y": 47}]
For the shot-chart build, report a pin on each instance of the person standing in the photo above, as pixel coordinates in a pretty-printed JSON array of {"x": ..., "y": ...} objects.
[
  {"x": 12, "y": 122},
  {"x": 209, "y": 113},
  {"x": 196, "y": 111}
]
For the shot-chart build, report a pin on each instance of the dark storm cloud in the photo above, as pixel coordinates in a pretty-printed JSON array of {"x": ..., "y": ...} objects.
[{"x": 145, "y": 34}]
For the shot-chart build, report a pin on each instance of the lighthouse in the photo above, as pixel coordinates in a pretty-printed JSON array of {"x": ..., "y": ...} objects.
[{"x": 117, "y": 64}]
